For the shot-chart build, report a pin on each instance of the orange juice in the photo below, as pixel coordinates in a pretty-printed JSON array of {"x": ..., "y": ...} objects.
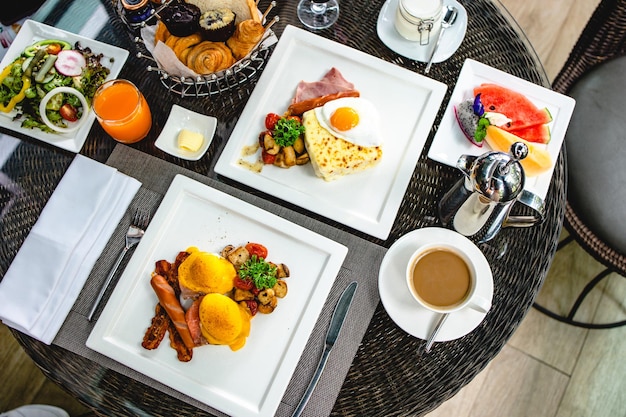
[{"x": 122, "y": 111}]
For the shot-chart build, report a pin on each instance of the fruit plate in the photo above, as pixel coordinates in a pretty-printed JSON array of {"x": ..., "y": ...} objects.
[
  {"x": 31, "y": 32},
  {"x": 407, "y": 104},
  {"x": 250, "y": 381},
  {"x": 450, "y": 142}
]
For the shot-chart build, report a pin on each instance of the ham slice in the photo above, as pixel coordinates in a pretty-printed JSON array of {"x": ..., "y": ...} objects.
[{"x": 331, "y": 83}]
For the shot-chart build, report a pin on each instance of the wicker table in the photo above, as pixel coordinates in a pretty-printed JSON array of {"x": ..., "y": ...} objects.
[{"x": 386, "y": 376}]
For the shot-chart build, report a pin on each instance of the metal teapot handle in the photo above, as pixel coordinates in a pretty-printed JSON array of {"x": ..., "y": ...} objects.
[{"x": 532, "y": 201}]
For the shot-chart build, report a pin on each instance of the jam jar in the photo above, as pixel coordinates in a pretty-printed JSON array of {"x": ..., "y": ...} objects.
[
  {"x": 137, "y": 11},
  {"x": 419, "y": 20}
]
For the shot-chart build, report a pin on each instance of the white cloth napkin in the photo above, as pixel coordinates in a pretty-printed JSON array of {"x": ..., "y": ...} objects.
[{"x": 50, "y": 269}]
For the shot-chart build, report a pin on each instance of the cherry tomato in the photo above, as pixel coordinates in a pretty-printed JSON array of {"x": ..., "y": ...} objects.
[
  {"x": 270, "y": 120},
  {"x": 68, "y": 112},
  {"x": 257, "y": 249},
  {"x": 268, "y": 159},
  {"x": 54, "y": 48},
  {"x": 243, "y": 284}
]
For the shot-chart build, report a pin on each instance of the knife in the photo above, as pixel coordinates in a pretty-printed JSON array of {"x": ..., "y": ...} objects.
[{"x": 336, "y": 322}]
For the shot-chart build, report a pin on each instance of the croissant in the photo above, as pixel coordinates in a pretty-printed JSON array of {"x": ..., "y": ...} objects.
[
  {"x": 209, "y": 57},
  {"x": 247, "y": 34}
]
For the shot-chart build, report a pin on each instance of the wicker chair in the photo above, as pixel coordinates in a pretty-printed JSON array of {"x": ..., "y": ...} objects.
[{"x": 595, "y": 75}]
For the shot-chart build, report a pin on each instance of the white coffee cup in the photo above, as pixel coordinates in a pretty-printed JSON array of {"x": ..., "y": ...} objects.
[{"x": 442, "y": 278}]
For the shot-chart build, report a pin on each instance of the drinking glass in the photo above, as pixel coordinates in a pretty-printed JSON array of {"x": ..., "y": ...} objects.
[
  {"x": 122, "y": 111},
  {"x": 318, "y": 14}
]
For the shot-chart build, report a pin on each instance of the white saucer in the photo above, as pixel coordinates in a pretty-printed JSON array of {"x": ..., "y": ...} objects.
[
  {"x": 402, "y": 307},
  {"x": 178, "y": 119},
  {"x": 450, "y": 41}
]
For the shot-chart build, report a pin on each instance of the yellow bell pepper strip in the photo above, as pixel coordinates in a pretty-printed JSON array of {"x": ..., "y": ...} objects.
[{"x": 19, "y": 96}]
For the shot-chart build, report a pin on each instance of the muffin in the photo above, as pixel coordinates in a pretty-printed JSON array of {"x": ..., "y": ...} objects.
[
  {"x": 181, "y": 19},
  {"x": 217, "y": 25}
]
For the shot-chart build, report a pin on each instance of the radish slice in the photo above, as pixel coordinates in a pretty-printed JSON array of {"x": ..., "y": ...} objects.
[{"x": 70, "y": 63}]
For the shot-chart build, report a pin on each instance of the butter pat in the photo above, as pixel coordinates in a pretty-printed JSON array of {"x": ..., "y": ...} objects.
[{"x": 190, "y": 141}]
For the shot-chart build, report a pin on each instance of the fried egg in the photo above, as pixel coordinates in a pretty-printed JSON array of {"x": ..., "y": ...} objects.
[{"x": 353, "y": 119}]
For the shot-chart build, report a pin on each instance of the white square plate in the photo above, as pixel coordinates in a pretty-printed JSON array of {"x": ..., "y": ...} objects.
[
  {"x": 450, "y": 142},
  {"x": 248, "y": 382},
  {"x": 407, "y": 103},
  {"x": 182, "y": 118},
  {"x": 31, "y": 32}
]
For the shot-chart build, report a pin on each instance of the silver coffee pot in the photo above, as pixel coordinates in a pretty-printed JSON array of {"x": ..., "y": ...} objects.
[{"x": 479, "y": 204}]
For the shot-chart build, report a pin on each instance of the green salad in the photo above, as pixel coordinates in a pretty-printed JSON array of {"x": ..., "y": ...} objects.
[{"x": 42, "y": 67}]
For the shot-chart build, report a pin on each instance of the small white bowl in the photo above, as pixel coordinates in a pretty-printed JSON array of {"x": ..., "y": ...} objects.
[
  {"x": 72, "y": 126},
  {"x": 182, "y": 118}
]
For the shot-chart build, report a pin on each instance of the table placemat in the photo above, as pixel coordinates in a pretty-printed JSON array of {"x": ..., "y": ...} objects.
[{"x": 361, "y": 265}]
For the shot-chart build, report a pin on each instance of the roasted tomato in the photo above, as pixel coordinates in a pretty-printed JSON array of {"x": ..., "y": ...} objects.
[
  {"x": 270, "y": 120},
  {"x": 257, "y": 249},
  {"x": 243, "y": 284},
  {"x": 268, "y": 159},
  {"x": 253, "y": 306},
  {"x": 68, "y": 112}
]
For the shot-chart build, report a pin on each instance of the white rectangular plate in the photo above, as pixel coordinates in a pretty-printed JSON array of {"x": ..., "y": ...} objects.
[
  {"x": 250, "y": 381},
  {"x": 407, "y": 103},
  {"x": 31, "y": 32},
  {"x": 450, "y": 142}
]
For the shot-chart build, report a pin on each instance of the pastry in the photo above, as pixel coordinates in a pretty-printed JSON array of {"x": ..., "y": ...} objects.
[
  {"x": 181, "y": 19},
  {"x": 161, "y": 33},
  {"x": 243, "y": 9},
  {"x": 182, "y": 45},
  {"x": 247, "y": 34},
  {"x": 217, "y": 25},
  {"x": 208, "y": 57}
]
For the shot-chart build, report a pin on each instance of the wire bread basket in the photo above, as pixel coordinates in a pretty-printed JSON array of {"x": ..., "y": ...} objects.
[{"x": 205, "y": 85}]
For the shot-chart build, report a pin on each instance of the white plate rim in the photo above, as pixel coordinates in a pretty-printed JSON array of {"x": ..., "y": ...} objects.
[
  {"x": 450, "y": 42},
  {"x": 107, "y": 334},
  {"x": 32, "y": 31},
  {"x": 167, "y": 139},
  {"x": 313, "y": 196},
  {"x": 449, "y": 142},
  {"x": 400, "y": 305}
]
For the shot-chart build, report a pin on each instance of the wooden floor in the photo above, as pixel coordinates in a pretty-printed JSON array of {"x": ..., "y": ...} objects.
[{"x": 548, "y": 369}]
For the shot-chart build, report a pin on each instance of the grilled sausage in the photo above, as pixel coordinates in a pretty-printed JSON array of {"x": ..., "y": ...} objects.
[{"x": 169, "y": 301}]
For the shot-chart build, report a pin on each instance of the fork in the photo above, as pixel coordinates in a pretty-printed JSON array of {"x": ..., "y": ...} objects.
[{"x": 134, "y": 234}]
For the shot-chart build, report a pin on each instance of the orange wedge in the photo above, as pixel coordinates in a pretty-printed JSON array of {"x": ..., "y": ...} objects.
[{"x": 538, "y": 160}]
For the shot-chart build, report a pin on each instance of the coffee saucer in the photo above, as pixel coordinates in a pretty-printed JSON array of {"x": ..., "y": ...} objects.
[
  {"x": 450, "y": 41},
  {"x": 402, "y": 307}
]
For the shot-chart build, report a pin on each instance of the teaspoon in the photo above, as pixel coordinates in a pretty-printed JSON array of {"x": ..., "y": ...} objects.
[
  {"x": 433, "y": 334},
  {"x": 449, "y": 17}
]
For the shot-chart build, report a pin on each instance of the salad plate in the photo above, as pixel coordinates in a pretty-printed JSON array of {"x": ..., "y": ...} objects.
[
  {"x": 249, "y": 381},
  {"x": 450, "y": 143},
  {"x": 450, "y": 42},
  {"x": 400, "y": 304},
  {"x": 31, "y": 32},
  {"x": 406, "y": 102}
]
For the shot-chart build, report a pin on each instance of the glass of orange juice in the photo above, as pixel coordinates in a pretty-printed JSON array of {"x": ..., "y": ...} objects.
[{"x": 122, "y": 111}]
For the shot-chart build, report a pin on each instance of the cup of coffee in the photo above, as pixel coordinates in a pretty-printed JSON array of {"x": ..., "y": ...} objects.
[{"x": 442, "y": 278}]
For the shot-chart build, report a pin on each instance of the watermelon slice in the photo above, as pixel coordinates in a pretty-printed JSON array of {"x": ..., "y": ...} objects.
[
  {"x": 522, "y": 112},
  {"x": 537, "y": 133}
]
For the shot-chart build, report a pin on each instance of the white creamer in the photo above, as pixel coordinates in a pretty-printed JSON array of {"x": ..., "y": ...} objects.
[{"x": 419, "y": 20}]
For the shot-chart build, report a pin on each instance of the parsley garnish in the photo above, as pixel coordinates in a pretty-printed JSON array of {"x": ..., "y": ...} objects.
[
  {"x": 259, "y": 271},
  {"x": 287, "y": 131}
]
